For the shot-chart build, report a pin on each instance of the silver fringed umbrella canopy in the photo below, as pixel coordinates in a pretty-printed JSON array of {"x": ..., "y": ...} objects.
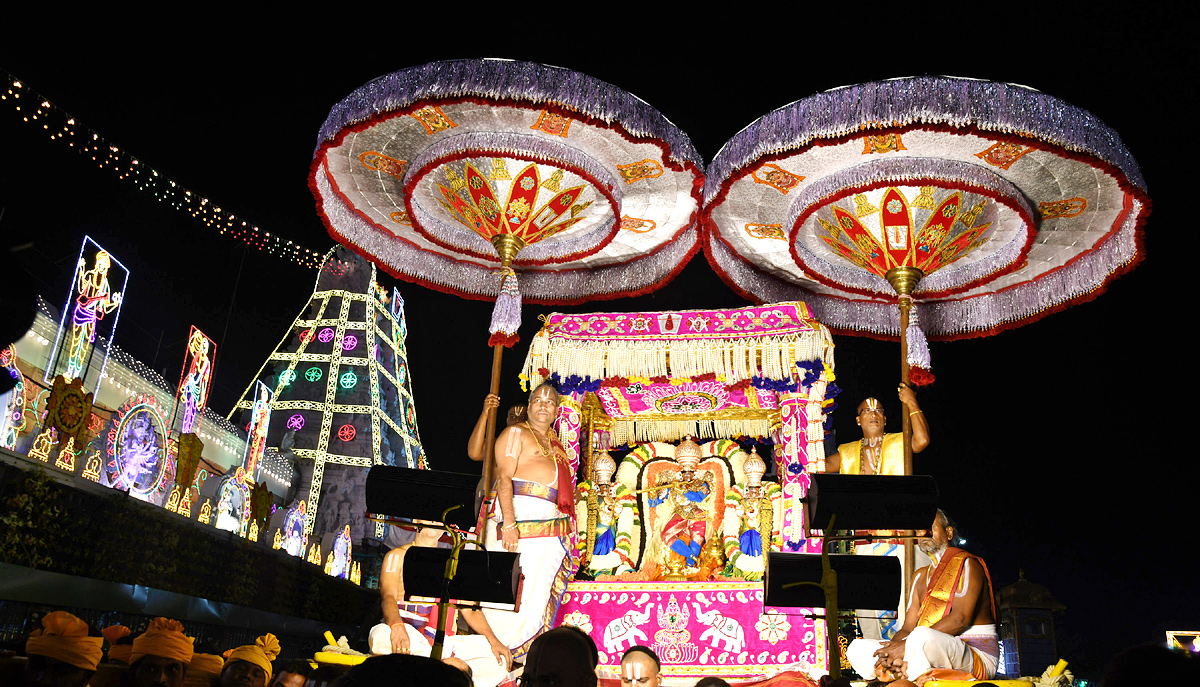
[
  {"x": 1011, "y": 203},
  {"x": 420, "y": 170},
  {"x": 461, "y": 174},
  {"x": 989, "y": 204}
]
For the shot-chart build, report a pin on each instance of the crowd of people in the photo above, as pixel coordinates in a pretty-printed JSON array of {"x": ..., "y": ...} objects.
[{"x": 67, "y": 652}]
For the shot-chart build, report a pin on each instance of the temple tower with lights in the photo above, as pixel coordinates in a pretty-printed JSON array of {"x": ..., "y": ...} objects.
[{"x": 343, "y": 394}]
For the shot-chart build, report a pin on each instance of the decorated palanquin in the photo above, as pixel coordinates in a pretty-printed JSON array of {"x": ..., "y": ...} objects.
[{"x": 673, "y": 536}]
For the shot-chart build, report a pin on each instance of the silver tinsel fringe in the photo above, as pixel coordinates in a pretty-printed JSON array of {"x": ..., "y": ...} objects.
[
  {"x": 939, "y": 100},
  {"x": 506, "y": 79}
]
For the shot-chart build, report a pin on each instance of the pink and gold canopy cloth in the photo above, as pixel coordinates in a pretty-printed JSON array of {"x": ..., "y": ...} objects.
[
  {"x": 1011, "y": 202},
  {"x": 420, "y": 168},
  {"x": 661, "y": 376}
]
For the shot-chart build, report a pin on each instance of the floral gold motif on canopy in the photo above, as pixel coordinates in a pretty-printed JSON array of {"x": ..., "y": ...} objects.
[
  {"x": 928, "y": 227},
  {"x": 528, "y": 205}
]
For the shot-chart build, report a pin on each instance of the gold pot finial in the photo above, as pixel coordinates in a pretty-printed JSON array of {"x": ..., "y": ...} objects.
[
  {"x": 904, "y": 279},
  {"x": 507, "y": 246}
]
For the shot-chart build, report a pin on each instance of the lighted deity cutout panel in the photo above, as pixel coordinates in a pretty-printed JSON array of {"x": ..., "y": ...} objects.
[
  {"x": 12, "y": 402},
  {"x": 397, "y": 309},
  {"x": 340, "y": 559},
  {"x": 256, "y": 432},
  {"x": 90, "y": 313},
  {"x": 192, "y": 395},
  {"x": 136, "y": 450}
]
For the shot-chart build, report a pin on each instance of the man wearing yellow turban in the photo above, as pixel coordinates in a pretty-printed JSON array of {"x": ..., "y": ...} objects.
[
  {"x": 250, "y": 665},
  {"x": 160, "y": 655},
  {"x": 61, "y": 653},
  {"x": 120, "y": 644},
  {"x": 203, "y": 670}
]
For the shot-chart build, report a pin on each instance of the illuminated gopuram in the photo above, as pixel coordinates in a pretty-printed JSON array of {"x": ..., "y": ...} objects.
[{"x": 343, "y": 397}]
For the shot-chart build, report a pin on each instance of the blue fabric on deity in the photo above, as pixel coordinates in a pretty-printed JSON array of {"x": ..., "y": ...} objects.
[
  {"x": 605, "y": 542},
  {"x": 656, "y": 499},
  {"x": 750, "y": 543},
  {"x": 690, "y": 552},
  {"x": 697, "y": 496}
]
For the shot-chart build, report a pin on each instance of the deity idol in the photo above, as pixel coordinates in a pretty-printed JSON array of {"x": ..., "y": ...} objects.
[
  {"x": 753, "y": 521},
  {"x": 609, "y": 510},
  {"x": 686, "y": 491}
]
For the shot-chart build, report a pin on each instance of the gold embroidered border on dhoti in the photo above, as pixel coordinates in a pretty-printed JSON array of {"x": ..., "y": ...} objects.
[
  {"x": 558, "y": 527},
  {"x": 535, "y": 489}
]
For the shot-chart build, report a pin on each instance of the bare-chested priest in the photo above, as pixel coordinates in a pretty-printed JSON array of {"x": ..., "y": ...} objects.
[
  {"x": 878, "y": 453},
  {"x": 535, "y": 497}
]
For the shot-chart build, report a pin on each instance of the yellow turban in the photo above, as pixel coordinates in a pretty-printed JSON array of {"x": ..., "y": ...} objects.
[
  {"x": 163, "y": 638},
  {"x": 202, "y": 670},
  {"x": 64, "y": 637},
  {"x": 117, "y": 652},
  {"x": 260, "y": 653}
]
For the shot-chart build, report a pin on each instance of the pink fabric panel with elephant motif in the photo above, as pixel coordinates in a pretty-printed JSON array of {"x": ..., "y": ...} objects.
[{"x": 696, "y": 628}]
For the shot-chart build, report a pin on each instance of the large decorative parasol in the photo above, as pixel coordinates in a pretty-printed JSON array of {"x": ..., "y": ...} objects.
[
  {"x": 990, "y": 204},
  {"x": 458, "y": 174}
]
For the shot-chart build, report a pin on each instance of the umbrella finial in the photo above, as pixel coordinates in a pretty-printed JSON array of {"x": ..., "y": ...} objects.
[
  {"x": 507, "y": 246},
  {"x": 904, "y": 279}
]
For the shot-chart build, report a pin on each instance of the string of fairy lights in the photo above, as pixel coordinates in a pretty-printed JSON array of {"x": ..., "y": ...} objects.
[{"x": 60, "y": 126}]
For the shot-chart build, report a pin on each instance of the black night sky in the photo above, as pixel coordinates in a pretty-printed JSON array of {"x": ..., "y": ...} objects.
[{"x": 1051, "y": 443}]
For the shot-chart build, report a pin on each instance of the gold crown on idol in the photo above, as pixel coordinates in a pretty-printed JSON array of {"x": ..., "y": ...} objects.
[
  {"x": 603, "y": 467},
  {"x": 687, "y": 454},
  {"x": 754, "y": 467}
]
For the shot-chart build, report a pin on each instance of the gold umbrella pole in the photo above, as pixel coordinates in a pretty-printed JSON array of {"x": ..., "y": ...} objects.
[
  {"x": 904, "y": 281},
  {"x": 507, "y": 246}
]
